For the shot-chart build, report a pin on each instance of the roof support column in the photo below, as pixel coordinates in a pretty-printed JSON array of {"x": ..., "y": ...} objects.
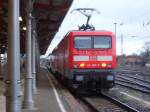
[
  {"x": 0, "y": 67},
  {"x": 33, "y": 62},
  {"x": 13, "y": 83},
  {"x": 37, "y": 60},
  {"x": 28, "y": 93}
]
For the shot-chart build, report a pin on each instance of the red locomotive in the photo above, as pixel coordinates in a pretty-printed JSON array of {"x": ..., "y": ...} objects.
[{"x": 86, "y": 59}]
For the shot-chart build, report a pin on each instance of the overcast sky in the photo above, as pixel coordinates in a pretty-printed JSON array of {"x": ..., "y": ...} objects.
[{"x": 132, "y": 13}]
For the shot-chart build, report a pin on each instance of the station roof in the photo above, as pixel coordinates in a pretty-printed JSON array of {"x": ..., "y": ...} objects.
[{"x": 48, "y": 15}]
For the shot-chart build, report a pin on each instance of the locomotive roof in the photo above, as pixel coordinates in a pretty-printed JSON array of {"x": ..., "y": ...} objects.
[{"x": 93, "y": 32}]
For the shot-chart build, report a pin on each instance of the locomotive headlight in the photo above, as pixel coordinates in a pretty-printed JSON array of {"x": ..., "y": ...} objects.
[
  {"x": 103, "y": 65},
  {"x": 82, "y": 65}
]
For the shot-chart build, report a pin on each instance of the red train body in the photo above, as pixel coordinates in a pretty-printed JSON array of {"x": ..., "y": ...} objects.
[{"x": 86, "y": 59}]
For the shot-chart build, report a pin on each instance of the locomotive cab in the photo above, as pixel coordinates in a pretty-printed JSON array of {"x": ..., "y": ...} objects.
[{"x": 93, "y": 59}]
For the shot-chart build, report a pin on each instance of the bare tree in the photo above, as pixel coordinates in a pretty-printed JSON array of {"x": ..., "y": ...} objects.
[{"x": 145, "y": 52}]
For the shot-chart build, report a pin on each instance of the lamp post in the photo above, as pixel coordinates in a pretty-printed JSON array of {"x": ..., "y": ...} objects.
[
  {"x": 122, "y": 44},
  {"x": 120, "y": 24},
  {"x": 115, "y": 28},
  {"x": 121, "y": 36}
]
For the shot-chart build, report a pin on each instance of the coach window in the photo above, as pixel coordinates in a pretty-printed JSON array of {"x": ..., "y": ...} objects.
[
  {"x": 83, "y": 42},
  {"x": 102, "y": 42}
]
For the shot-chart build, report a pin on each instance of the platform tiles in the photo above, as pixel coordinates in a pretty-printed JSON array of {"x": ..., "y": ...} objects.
[{"x": 51, "y": 97}]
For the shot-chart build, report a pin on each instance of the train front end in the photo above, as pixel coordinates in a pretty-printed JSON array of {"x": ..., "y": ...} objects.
[{"x": 92, "y": 59}]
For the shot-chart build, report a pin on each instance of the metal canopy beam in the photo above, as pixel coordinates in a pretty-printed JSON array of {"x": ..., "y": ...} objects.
[{"x": 50, "y": 11}]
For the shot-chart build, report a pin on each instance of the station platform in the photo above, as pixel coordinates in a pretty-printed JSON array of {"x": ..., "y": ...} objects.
[
  {"x": 44, "y": 98},
  {"x": 50, "y": 96}
]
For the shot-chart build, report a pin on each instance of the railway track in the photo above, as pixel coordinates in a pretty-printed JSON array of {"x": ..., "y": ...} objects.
[
  {"x": 134, "y": 77},
  {"x": 105, "y": 103},
  {"x": 133, "y": 82},
  {"x": 125, "y": 84},
  {"x": 134, "y": 72},
  {"x": 139, "y": 83}
]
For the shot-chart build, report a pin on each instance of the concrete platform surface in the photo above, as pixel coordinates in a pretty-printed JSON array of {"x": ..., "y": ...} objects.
[
  {"x": 53, "y": 97},
  {"x": 2, "y": 103},
  {"x": 50, "y": 96},
  {"x": 45, "y": 100}
]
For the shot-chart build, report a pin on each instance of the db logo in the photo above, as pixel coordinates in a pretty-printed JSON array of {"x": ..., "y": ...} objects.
[{"x": 93, "y": 58}]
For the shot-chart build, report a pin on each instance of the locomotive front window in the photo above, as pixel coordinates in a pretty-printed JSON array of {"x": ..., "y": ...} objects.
[
  {"x": 102, "y": 42},
  {"x": 83, "y": 42}
]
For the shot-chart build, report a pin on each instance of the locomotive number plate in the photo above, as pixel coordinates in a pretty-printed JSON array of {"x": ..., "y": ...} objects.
[{"x": 93, "y": 58}]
